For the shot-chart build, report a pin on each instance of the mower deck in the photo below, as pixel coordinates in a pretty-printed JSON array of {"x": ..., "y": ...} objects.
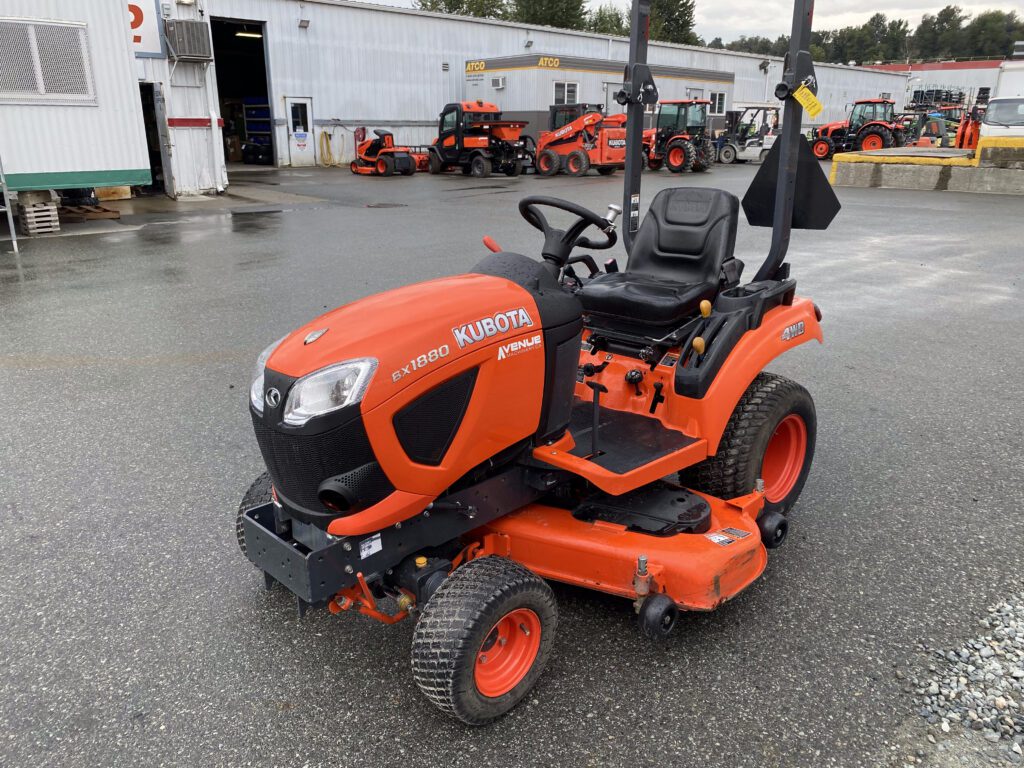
[{"x": 699, "y": 571}]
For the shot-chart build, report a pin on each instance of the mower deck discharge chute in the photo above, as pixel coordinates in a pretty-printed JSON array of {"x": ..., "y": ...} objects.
[{"x": 439, "y": 450}]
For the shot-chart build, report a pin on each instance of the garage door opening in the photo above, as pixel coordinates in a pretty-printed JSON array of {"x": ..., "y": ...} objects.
[{"x": 239, "y": 48}]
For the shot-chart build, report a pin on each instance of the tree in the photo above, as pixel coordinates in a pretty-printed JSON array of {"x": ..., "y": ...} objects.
[
  {"x": 608, "y": 20},
  {"x": 716, "y": 43},
  {"x": 487, "y": 9},
  {"x": 672, "y": 21},
  {"x": 992, "y": 33},
  {"x": 565, "y": 14}
]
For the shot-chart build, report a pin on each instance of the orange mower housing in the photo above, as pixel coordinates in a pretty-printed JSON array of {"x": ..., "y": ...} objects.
[{"x": 381, "y": 157}]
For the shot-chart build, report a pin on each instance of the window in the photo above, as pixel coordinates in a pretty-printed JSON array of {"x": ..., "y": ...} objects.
[
  {"x": 717, "y": 103},
  {"x": 567, "y": 93},
  {"x": 45, "y": 62},
  {"x": 449, "y": 120}
]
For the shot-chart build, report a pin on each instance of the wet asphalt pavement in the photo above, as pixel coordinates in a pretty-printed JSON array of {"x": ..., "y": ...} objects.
[{"x": 134, "y": 633}]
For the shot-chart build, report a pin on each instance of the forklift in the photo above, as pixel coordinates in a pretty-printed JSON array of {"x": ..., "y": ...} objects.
[
  {"x": 750, "y": 131},
  {"x": 472, "y": 137}
]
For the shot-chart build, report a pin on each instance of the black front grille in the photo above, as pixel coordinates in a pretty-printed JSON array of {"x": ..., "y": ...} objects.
[{"x": 298, "y": 463}]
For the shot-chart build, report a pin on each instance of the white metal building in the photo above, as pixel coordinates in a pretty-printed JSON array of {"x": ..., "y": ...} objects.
[
  {"x": 70, "y": 114},
  {"x": 221, "y": 81}
]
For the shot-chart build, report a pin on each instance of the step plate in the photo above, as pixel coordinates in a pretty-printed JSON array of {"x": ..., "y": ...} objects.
[{"x": 660, "y": 509}]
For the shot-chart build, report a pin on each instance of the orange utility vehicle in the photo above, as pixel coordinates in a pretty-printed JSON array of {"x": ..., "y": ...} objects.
[
  {"x": 472, "y": 136},
  {"x": 380, "y": 157},
  {"x": 437, "y": 451},
  {"x": 581, "y": 137},
  {"x": 680, "y": 138},
  {"x": 872, "y": 124}
]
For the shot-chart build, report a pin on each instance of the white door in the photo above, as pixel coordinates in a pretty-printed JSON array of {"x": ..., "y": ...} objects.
[{"x": 301, "y": 147}]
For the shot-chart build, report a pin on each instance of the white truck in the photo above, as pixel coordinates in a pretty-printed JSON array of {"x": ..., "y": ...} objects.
[{"x": 1005, "y": 113}]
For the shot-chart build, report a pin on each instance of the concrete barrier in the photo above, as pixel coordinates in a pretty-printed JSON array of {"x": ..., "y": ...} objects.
[{"x": 996, "y": 167}]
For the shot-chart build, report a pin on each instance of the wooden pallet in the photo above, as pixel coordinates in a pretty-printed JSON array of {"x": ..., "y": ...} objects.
[
  {"x": 38, "y": 218},
  {"x": 79, "y": 213}
]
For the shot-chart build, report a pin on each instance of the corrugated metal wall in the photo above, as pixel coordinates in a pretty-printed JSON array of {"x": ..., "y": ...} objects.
[
  {"x": 390, "y": 68},
  {"x": 105, "y": 136}
]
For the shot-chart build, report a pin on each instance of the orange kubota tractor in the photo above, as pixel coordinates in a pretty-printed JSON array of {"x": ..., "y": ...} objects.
[
  {"x": 380, "y": 157},
  {"x": 680, "y": 139},
  {"x": 439, "y": 451},
  {"x": 872, "y": 124},
  {"x": 472, "y": 136},
  {"x": 580, "y": 137}
]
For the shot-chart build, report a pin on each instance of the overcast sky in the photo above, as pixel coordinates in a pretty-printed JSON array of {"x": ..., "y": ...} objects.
[{"x": 729, "y": 19}]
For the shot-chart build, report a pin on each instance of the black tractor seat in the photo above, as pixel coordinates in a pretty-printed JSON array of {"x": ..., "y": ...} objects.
[{"x": 682, "y": 254}]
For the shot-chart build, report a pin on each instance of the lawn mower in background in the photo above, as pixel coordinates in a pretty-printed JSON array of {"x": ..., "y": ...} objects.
[
  {"x": 581, "y": 137},
  {"x": 872, "y": 125},
  {"x": 750, "y": 132},
  {"x": 472, "y": 137},
  {"x": 680, "y": 139},
  {"x": 437, "y": 451},
  {"x": 380, "y": 157}
]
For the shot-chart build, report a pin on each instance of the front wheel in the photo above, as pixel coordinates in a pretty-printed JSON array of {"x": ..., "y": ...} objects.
[
  {"x": 433, "y": 164},
  {"x": 549, "y": 162},
  {"x": 727, "y": 155},
  {"x": 483, "y": 639},
  {"x": 823, "y": 148},
  {"x": 771, "y": 436},
  {"x": 259, "y": 493}
]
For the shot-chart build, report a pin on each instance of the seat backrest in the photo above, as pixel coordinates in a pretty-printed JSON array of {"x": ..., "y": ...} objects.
[{"x": 689, "y": 233}]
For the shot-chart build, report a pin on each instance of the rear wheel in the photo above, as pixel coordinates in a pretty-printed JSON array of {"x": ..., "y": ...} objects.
[
  {"x": 514, "y": 169},
  {"x": 483, "y": 639},
  {"x": 385, "y": 165},
  {"x": 703, "y": 157},
  {"x": 823, "y": 148},
  {"x": 549, "y": 162},
  {"x": 874, "y": 137},
  {"x": 727, "y": 154},
  {"x": 259, "y": 493},
  {"x": 577, "y": 163},
  {"x": 770, "y": 435},
  {"x": 607, "y": 170},
  {"x": 679, "y": 156},
  {"x": 480, "y": 167}
]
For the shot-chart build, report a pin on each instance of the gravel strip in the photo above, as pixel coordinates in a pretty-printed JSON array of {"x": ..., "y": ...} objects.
[{"x": 980, "y": 686}]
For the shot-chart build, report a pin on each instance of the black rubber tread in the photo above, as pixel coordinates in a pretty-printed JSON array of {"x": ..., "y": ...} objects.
[
  {"x": 455, "y": 622},
  {"x": 899, "y": 138},
  {"x": 582, "y": 158},
  {"x": 480, "y": 167},
  {"x": 703, "y": 157},
  {"x": 433, "y": 163},
  {"x": 689, "y": 155},
  {"x": 551, "y": 156},
  {"x": 878, "y": 130},
  {"x": 514, "y": 169},
  {"x": 653, "y": 165},
  {"x": 727, "y": 155},
  {"x": 389, "y": 165},
  {"x": 827, "y": 141},
  {"x": 735, "y": 468},
  {"x": 257, "y": 495},
  {"x": 607, "y": 170}
]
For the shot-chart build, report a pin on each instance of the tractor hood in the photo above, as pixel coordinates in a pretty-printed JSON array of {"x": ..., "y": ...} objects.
[{"x": 410, "y": 331}]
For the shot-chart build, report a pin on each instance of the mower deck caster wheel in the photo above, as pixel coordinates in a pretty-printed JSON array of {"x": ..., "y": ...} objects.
[
  {"x": 483, "y": 639},
  {"x": 774, "y": 528},
  {"x": 659, "y": 615}
]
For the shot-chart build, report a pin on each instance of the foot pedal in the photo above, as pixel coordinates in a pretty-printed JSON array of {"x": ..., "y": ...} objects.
[{"x": 659, "y": 509}]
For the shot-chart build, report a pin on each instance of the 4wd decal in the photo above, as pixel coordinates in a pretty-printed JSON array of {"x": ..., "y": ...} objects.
[
  {"x": 792, "y": 331},
  {"x": 523, "y": 345},
  {"x": 485, "y": 327}
]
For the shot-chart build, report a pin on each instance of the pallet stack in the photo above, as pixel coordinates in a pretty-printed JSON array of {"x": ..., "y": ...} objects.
[{"x": 38, "y": 218}]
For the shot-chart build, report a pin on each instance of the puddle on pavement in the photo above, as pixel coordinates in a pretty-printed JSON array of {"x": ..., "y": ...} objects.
[{"x": 386, "y": 205}]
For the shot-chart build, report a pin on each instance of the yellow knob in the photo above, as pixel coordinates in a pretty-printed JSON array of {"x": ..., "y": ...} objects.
[
  {"x": 421, "y": 562},
  {"x": 698, "y": 345},
  {"x": 705, "y": 308}
]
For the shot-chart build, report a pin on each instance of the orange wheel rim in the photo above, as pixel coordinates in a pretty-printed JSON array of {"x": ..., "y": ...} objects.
[
  {"x": 784, "y": 458},
  {"x": 381, "y": 166},
  {"x": 545, "y": 163},
  {"x": 574, "y": 164},
  {"x": 872, "y": 142},
  {"x": 821, "y": 149},
  {"x": 507, "y": 653},
  {"x": 675, "y": 156}
]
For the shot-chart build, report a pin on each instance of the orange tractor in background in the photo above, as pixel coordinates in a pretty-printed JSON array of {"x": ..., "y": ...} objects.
[
  {"x": 872, "y": 125},
  {"x": 581, "y": 137},
  {"x": 680, "y": 138},
  {"x": 381, "y": 157}
]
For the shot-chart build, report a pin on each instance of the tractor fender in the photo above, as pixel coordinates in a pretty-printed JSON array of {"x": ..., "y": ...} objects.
[{"x": 781, "y": 329}]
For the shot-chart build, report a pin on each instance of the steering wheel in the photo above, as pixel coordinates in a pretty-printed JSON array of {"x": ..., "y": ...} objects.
[{"x": 558, "y": 243}]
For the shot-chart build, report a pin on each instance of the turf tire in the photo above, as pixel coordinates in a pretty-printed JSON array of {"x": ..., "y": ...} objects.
[
  {"x": 456, "y": 621},
  {"x": 257, "y": 495},
  {"x": 735, "y": 468}
]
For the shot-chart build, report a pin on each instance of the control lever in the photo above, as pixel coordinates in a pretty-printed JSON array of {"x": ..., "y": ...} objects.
[
  {"x": 598, "y": 389},
  {"x": 611, "y": 266}
]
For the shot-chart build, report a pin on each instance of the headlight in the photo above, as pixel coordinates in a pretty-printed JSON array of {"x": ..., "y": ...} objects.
[
  {"x": 256, "y": 389},
  {"x": 328, "y": 390}
]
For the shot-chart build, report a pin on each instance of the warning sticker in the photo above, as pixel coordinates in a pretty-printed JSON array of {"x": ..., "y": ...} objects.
[
  {"x": 719, "y": 538},
  {"x": 736, "y": 533},
  {"x": 370, "y": 546},
  {"x": 669, "y": 360},
  {"x": 808, "y": 101}
]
